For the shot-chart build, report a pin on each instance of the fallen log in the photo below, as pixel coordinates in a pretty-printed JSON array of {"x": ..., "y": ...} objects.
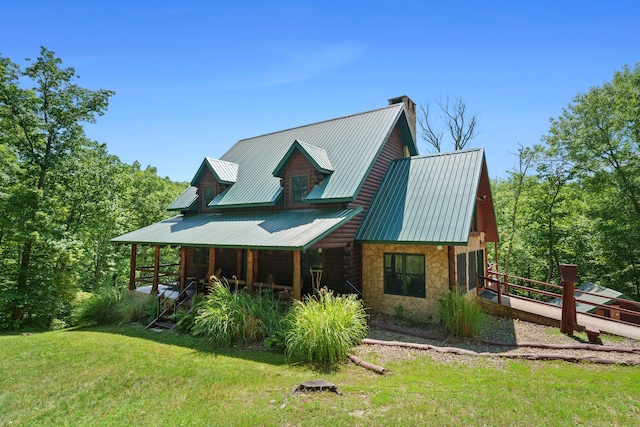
[
  {"x": 370, "y": 366},
  {"x": 465, "y": 352},
  {"x": 592, "y": 347},
  {"x": 577, "y": 346}
]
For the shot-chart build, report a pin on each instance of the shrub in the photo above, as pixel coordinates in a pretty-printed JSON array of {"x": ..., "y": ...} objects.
[
  {"x": 324, "y": 328},
  {"x": 98, "y": 309},
  {"x": 112, "y": 306},
  {"x": 226, "y": 317},
  {"x": 460, "y": 316}
]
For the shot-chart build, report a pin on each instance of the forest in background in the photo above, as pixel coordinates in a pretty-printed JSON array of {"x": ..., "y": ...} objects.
[
  {"x": 63, "y": 196},
  {"x": 573, "y": 199}
]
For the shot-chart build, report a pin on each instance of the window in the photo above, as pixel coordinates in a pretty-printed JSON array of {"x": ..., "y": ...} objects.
[
  {"x": 469, "y": 265},
  {"x": 461, "y": 271},
  {"x": 299, "y": 189},
  {"x": 209, "y": 194},
  {"x": 404, "y": 274},
  {"x": 200, "y": 255}
]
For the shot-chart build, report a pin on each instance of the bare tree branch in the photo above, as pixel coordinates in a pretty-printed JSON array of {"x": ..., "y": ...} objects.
[{"x": 453, "y": 114}]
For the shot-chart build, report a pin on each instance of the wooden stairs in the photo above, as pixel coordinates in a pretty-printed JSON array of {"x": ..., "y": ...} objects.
[{"x": 166, "y": 319}]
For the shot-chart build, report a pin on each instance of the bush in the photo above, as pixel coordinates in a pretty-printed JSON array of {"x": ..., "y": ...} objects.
[
  {"x": 323, "y": 329},
  {"x": 111, "y": 307},
  {"x": 460, "y": 316},
  {"x": 226, "y": 317},
  {"x": 98, "y": 309}
]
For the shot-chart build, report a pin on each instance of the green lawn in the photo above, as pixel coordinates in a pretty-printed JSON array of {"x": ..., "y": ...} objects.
[{"x": 125, "y": 376}]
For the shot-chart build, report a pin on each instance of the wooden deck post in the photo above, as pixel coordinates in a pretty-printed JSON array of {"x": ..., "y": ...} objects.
[
  {"x": 239, "y": 274},
  {"x": 249, "y": 278},
  {"x": 297, "y": 277},
  {"x": 132, "y": 267},
  {"x": 211, "y": 269},
  {"x": 569, "y": 274},
  {"x": 183, "y": 267},
  {"x": 156, "y": 271}
]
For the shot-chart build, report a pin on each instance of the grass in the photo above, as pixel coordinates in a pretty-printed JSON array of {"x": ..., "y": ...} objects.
[{"x": 114, "y": 376}]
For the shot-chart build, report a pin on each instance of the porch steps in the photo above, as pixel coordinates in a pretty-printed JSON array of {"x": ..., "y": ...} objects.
[{"x": 165, "y": 319}]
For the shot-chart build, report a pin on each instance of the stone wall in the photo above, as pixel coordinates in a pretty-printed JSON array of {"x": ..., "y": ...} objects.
[{"x": 437, "y": 277}]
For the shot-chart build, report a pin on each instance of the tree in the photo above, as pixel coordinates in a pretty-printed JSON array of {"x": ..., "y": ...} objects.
[
  {"x": 42, "y": 127},
  {"x": 599, "y": 133},
  {"x": 452, "y": 118}
]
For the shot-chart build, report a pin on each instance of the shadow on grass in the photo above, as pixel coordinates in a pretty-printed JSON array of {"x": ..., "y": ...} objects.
[
  {"x": 494, "y": 329},
  {"x": 249, "y": 353}
]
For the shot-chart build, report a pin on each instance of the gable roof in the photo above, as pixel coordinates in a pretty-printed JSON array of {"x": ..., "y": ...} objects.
[
  {"x": 352, "y": 143},
  {"x": 315, "y": 155},
  {"x": 224, "y": 172},
  {"x": 426, "y": 199}
]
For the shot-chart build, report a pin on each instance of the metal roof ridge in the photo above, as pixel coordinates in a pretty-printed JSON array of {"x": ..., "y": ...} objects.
[
  {"x": 448, "y": 153},
  {"x": 220, "y": 160},
  {"x": 323, "y": 121}
]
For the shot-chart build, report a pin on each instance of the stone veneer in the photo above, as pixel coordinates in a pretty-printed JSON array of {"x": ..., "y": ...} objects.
[{"x": 437, "y": 276}]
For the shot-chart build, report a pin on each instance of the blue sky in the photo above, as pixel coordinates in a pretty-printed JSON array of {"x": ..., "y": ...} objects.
[{"x": 193, "y": 77}]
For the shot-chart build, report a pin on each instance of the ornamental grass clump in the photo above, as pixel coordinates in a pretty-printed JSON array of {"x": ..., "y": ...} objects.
[
  {"x": 324, "y": 328},
  {"x": 226, "y": 318},
  {"x": 460, "y": 316},
  {"x": 113, "y": 306}
]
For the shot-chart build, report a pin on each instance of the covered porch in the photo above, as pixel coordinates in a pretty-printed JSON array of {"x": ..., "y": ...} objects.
[{"x": 283, "y": 250}]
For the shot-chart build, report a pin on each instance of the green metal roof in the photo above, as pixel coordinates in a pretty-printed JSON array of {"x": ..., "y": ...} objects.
[
  {"x": 425, "y": 199},
  {"x": 316, "y": 156},
  {"x": 185, "y": 200},
  {"x": 352, "y": 143},
  {"x": 225, "y": 172},
  {"x": 296, "y": 229}
]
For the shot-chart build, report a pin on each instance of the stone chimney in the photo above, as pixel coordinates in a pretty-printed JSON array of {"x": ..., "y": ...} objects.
[{"x": 410, "y": 109}]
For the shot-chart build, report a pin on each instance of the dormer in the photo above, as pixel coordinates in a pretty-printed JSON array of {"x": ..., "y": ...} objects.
[
  {"x": 213, "y": 178},
  {"x": 303, "y": 167}
]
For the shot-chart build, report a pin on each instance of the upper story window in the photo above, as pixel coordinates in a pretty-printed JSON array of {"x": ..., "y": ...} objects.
[
  {"x": 209, "y": 194},
  {"x": 299, "y": 189}
]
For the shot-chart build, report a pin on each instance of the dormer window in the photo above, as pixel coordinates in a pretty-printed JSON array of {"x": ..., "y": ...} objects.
[
  {"x": 209, "y": 194},
  {"x": 299, "y": 189}
]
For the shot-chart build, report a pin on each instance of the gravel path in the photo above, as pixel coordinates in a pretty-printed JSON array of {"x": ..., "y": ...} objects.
[{"x": 494, "y": 329}]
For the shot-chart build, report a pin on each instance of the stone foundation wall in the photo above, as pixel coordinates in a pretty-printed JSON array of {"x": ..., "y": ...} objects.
[{"x": 437, "y": 278}]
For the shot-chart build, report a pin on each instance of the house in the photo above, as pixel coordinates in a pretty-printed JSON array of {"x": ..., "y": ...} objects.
[
  {"x": 343, "y": 200},
  {"x": 609, "y": 303}
]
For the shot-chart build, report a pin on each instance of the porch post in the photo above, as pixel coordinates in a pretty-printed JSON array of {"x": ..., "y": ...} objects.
[
  {"x": 156, "y": 270},
  {"x": 239, "y": 264},
  {"x": 212, "y": 264},
  {"x": 569, "y": 275},
  {"x": 297, "y": 288},
  {"x": 183, "y": 267},
  {"x": 132, "y": 267},
  {"x": 451, "y": 255},
  {"x": 249, "y": 277}
]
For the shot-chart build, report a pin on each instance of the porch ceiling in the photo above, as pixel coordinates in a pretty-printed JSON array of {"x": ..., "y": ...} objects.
[{"x": 282, "y": 230}]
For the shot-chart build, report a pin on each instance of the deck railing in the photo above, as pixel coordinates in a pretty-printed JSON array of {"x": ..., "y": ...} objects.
[{"x": 542, "y": 292}]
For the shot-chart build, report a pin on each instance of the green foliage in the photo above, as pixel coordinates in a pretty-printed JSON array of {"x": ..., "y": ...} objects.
[
  {"x": 411, "y": 319},
  {"x": 225, "y": 317},
  {"x": 62, "y": 196},
  {"x": 578, "y": 198},
  {"x": 324, "y": 328},
  {"x": 459, "y": 315},
  {"x": 113, "y": 306}
]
